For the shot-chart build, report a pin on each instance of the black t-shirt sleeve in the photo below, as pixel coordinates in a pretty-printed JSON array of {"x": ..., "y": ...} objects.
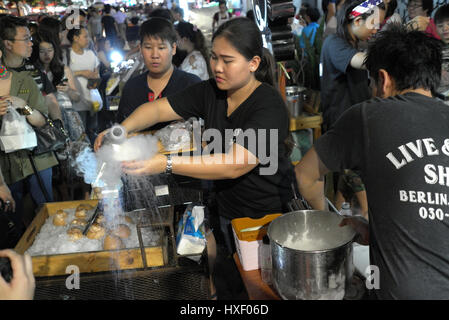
[
  {"x": 190, "y": 102},
  {"x": 342, "y": 147},
  {"x": 341, "y": 53}
]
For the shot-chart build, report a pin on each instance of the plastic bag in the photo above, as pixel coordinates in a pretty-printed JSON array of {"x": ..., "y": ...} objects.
[
  {"x": 97, "y": 102},
  {"x": 176, "y": 136},
  {"x": 16, "y": 133},
  {"x": 191, "y": 239}
]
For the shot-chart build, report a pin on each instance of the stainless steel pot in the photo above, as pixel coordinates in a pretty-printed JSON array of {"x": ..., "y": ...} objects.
[
  {"x": 311, "y": 255},
  {"x": 295, "y": 97}
]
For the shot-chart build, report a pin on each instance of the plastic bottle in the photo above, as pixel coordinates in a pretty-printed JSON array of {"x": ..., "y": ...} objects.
[
  {"x": 265, "y": 260},
  {"x": 346, "y": 209}
]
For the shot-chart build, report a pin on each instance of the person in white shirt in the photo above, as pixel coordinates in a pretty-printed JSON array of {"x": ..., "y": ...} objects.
[
  {"x": 85, "y": 66},
  {"x": 191, "y": 39}
]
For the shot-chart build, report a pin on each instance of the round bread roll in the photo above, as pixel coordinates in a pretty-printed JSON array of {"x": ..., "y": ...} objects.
[
  {"x": 79, "y": 222},
  {"x": 121, "y": 231},
  {"x": 96, "y": 231},
  {"x": 59, "y": 218},
  {"x": 100, "y": 219},
  {"x": 80, "y": 213},
  {"x": 112, "y": 243},
  {"x": 61, "y": 213},
  {"x": 75, "y": 234}
]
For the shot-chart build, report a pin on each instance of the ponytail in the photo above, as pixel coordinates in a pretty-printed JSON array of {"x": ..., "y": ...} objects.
[
  {"x": 266, "y": 72},
  {"x": 245, "y": 37}
]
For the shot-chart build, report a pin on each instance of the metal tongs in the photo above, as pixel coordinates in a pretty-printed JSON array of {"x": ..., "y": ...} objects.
[
  {"x": 91, "y": 220},
  {"x": 301, "y": 204},
  {"x": 296, "y": 203}
]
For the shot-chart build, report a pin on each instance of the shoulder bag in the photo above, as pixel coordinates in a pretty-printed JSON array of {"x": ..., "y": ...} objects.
[{"x": 50, "y": 137}]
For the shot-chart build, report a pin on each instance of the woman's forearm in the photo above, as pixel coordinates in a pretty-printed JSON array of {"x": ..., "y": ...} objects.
[
  {"x": 149, "y": 114},
  {"x": 210, "y": 167}
]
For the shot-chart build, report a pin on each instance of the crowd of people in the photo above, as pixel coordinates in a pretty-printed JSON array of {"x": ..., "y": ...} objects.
[{"x": 389, "y": 69}]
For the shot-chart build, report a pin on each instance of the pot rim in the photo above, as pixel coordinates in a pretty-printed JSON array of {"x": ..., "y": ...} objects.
[{"x": 307, "y": 251}]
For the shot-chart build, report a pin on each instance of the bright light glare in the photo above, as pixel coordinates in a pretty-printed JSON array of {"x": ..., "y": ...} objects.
[{"x": 116, "y": 57}]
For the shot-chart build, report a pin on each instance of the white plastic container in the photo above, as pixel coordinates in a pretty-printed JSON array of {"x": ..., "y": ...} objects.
[
  {"x": 248, "y": 234},
  {"x": 248, "y": 252}
]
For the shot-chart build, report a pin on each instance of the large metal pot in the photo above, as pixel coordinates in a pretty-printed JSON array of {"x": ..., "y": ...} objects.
[
  {"x": 295, "y": 97},
  {"x": 311, "y": 255}
]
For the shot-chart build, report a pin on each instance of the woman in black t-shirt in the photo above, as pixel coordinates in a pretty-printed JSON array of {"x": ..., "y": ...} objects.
[{"x": 239, "y": 101}]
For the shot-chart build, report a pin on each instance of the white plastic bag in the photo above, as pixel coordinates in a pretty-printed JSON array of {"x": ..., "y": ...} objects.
[
  {"x": 97, "y": 102},
  {"x": 191, "y": 239},
  {"x": 16, "y": 133},
  {"x": 176, "y": 135}
]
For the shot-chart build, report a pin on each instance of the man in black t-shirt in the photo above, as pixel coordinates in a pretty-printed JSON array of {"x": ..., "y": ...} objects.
[
  {"x": 399, "y": 141},
  {"x": 158, "y": 46}
]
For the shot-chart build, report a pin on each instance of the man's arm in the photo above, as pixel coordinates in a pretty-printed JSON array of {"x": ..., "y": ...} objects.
[{"x": 310, "y": 173}]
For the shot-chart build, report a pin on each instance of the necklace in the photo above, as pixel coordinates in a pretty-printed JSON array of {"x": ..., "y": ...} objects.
[{"x": 3, "y": 72}]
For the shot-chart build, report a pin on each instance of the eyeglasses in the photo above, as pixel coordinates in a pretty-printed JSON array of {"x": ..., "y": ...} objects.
[{"x": 29, "y": 39}]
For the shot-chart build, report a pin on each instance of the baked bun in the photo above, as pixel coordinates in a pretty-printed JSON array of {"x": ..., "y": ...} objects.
[
  {"x": 112, "y": 243},
  {"x": 59, "y": 218},
  {"x": 121, "y": 231},
  {"x": 96, "y": 231},
  {"x": 75, "y": 233},
  {"x": 81, "y": 213},
  {"x": 61, "y": 213},
  {"x": 79, "y": 222},
  {"x": 100, "y": 219}
]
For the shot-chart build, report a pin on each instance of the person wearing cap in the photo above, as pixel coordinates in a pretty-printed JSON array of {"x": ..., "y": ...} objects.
[{"x": 344, "y": 79}]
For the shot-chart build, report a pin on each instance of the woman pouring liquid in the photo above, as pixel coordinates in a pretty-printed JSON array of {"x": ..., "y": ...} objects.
[{"x": 252, "y": 175}]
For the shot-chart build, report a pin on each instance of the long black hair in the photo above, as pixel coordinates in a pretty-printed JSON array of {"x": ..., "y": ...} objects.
[
  {"x": 245, "y": 37},
  {"x": 189, "y": 31},
  {"x": 56, "y": 66}
]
